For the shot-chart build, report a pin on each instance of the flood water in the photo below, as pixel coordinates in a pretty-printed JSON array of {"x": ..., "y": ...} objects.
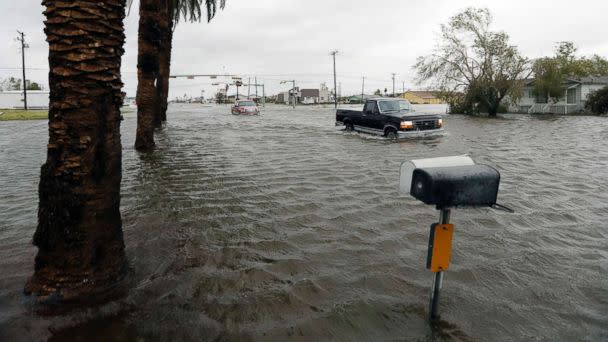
[{"x": 279, "y": 227}]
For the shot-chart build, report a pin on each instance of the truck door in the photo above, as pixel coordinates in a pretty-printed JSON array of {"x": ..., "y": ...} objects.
[{"x": 370, "y": 114}]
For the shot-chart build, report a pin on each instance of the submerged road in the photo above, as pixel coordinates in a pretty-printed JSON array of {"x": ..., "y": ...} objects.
[{"x": 278, "y": 226}]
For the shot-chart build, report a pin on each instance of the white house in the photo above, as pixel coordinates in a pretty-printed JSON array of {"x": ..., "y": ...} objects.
[
  {"x": 36, "y": 99},
  {"x": 573, "y": 101},
  {"x": 312, "y": 96}
]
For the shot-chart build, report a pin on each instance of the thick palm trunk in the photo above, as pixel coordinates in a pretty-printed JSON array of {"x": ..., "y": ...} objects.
[
  {"x": 79, "y": 235},
  {"x": 147, "y": 72},
  {"x": 165, "y": 61}
]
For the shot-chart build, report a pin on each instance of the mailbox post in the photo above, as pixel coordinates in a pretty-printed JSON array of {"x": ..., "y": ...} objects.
[
  {"x": 444, "y": 219},
  {"x": 447, "y": 183}
]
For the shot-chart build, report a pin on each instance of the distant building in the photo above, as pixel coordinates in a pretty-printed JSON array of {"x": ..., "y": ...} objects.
[
  {"x": 576, "y": 92},
  {"x": 287, "y": 97},
  {"x": 421, "y": 97},
  {"x": 233, "y": 98},
  {"x": 313, "y": 96},
  {"x": 283, "y": 97},
  {"x": 36, "y": 99}
]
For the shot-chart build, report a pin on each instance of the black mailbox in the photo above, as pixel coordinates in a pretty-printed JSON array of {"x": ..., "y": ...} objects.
[
  {"x": 456, "y": 186},
  {"x": 447, "y": 182}
]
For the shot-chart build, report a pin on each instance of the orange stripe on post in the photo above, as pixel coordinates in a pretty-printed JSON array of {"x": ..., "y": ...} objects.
[{"x": 440, "y": 247}]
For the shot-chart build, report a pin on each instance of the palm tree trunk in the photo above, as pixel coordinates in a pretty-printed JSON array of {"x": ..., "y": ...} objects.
[
  {"x": 165, "y": 61},
  {"x": 147, "y": 72},
  {"x": 79, "y": 234}
]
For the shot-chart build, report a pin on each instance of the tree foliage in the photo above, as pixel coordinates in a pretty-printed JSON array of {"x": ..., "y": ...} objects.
[
  {"x": 10, "y": 83},
  {"x": 13, "y": 83},
  {"x": 220, "y": 97},
  {"x": 475, "y": 62},
  {"x": 191, "y": 9},
  {"x": 597, "y": 102},
  {"x": 550, "y": 72}
]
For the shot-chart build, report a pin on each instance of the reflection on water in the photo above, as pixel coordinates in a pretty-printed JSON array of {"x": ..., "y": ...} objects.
[{"x": 278, "y": 226}]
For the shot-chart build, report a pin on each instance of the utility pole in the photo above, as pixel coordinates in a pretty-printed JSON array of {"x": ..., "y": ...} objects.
[
  {"x": 363, "y": 90},
  {"x": 249, "y": 87},
  {"x": 403, "y": 87},
  {"x": 21, "y": 38},
  {"x": 256, "y": 85},
  {"x": 238, "y": 83},
  {"x": 393, "y": 84},
  {"x": 334, "y": 53},
  {"x": 293, "y": 91}
]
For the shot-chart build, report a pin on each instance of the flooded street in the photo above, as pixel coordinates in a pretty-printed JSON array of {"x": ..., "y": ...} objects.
[{"x": 278, "y": 226}]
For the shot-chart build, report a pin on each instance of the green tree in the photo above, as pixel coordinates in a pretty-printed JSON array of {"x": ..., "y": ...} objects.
[
  {"x": 79, "y": 233},
  {"x": 378, "y": 92},
  {"x": 549, "y": 78},
  {"x": 597, "y": 102},
  {"x": 550, "y": 72},
  {"x": 472, "y": 60},
  {"x": 13, "y": 83},
  {"x": 220, "y": 97},
  {"x": 34, "y": 86},
  {"x": 10, "y": 83}
]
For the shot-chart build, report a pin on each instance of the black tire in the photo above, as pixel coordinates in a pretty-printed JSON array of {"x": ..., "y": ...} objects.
[
  {"x": 391, "y": 134},
  {"x": 348, "y": 126}
]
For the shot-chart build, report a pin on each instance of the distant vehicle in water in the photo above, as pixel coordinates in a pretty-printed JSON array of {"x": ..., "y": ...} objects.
[
  {"x": 245, "y": 107},
  {"x": 391, "y": 118}
]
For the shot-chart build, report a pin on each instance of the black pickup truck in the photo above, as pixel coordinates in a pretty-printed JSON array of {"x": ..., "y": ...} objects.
[{"x": 389, "y": 117}]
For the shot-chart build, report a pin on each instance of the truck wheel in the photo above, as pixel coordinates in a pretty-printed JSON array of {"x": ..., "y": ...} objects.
[
  {"x": 349, "y": 127},
  {"x": 391, "y": 134}
]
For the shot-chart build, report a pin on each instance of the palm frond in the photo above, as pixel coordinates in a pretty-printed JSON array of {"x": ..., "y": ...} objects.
[{"x": 191, "y": 9}]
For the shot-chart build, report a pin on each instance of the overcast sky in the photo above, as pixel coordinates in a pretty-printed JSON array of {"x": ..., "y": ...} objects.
[{"x": 291, "y": 39}]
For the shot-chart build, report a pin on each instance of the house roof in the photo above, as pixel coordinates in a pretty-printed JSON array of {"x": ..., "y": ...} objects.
[
  {"x": 593, "y": 80},
  {"x": 310, "y": 92},
  {"x": 580, "y": 80},
  {"x": 422, "y": 94}
]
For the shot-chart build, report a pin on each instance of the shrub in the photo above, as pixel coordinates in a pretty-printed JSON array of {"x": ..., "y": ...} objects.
[{"x": 597, "y": 102}]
